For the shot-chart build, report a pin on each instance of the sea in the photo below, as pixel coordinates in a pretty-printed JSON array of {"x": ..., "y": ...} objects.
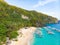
[{"x": 47, "y": 38}]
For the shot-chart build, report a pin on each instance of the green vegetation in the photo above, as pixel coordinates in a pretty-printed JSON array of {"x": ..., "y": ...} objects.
[{"x": 11, "y": 20}]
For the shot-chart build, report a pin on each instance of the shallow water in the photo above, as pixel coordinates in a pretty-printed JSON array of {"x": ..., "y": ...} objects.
[{"x": 48, "y": 39}]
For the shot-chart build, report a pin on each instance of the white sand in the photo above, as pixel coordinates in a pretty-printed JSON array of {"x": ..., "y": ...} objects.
[{"x": 26, "y": 37}]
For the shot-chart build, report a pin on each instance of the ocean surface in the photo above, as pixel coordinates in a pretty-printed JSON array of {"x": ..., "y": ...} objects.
[{"x": 47, "y": 38}]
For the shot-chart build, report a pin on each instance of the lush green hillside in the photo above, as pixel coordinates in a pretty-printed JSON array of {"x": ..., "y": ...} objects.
[{"x": 13, "y": 18}]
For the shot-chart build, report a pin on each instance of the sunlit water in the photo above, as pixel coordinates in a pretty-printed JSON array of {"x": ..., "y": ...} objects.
[{"x": 48, "y": 39}]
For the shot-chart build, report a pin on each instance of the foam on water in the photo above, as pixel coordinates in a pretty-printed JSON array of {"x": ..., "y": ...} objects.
[{"x": 48, "y": 39}]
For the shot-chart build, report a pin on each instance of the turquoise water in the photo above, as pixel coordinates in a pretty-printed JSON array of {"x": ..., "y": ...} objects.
[{"x": 48, "y": 39}]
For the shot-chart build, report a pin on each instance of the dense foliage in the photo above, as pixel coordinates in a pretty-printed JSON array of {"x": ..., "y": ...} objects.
[{"x": 11, "y": 20}]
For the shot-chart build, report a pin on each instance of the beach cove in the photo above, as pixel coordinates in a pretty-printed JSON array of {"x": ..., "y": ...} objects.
[
  {"x": 27, "y": 35},
  {"x": 43, "y": 36}
]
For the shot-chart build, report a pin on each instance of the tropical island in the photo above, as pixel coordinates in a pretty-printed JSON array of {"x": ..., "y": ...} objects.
[{"x": 13, "y": 18}]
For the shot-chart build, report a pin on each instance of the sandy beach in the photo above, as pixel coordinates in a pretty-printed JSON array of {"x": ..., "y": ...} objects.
[{"x": 26, "y": 37}]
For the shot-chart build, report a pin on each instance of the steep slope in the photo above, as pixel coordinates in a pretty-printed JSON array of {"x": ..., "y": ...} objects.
[{"x": 12, "y": 18}]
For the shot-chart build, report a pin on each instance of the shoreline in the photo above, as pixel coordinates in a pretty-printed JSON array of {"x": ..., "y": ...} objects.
[{"x": 26, "y": 37}]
